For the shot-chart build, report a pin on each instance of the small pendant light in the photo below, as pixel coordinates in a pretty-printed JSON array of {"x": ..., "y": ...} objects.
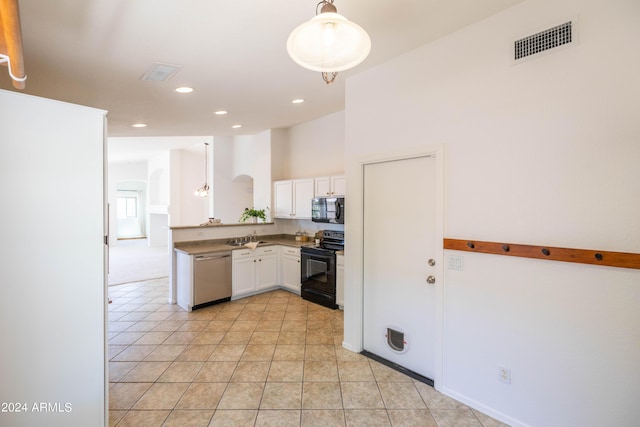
[{"x": 204, "y": 190}]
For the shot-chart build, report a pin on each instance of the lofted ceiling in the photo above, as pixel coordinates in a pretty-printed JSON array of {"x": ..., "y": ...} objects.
[{"x": 233, "y": 53}]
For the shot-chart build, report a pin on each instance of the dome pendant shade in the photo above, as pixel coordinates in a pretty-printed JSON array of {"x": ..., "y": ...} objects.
[{"x": 328, "y": 43}]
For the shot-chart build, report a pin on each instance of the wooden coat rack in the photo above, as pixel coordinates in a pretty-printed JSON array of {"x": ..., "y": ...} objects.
[
  {"x": 583, "y": 256},
  {"x": 11, "y": 42}
]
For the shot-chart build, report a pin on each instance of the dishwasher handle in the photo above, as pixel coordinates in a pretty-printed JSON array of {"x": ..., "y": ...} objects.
[{"x": 208, "y": 257}]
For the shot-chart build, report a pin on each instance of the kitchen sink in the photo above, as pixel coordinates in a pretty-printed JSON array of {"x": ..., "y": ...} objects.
[{"x": 238, "y": 244}]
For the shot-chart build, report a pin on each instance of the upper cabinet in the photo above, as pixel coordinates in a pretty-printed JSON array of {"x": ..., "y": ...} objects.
[
  {"x": 292, "y": 198},
  {"x": 330, "y": 186},
  {"x": 282, "y": 199}
]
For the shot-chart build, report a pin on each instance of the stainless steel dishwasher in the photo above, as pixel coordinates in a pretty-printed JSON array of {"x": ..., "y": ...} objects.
[{"x": 212, "y": 279}]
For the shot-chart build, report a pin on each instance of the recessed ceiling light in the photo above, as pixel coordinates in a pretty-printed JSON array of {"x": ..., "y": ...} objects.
[
  {"x": 236, "y": 126},
  {"x": 298, "y": 101},
  {"x": 139, "y": 125},
  {"x": 184, "y": 89},
  {"x": 220, "y": 113}
]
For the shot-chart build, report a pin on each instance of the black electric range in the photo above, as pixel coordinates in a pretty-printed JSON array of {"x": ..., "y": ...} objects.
[{"x": 318, "y": 269}]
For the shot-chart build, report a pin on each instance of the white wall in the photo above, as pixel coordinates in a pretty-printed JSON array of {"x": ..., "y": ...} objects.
[
  {"x": 544, "y": 152},
  {"x": 314, "y": 148},
  {"x": 53, "y": 305},
  {"x": 175, "y": 169},
  {"x": 280, "y": 153},
  {"x": 193, "y": 210},
  {"x": 161, "y": 213},
  {"x": 252, "y": 157},
  {"x": 158, "y": 170},
  {"x": 232, "y": 193},
  {"x": 117, "y": 173}
]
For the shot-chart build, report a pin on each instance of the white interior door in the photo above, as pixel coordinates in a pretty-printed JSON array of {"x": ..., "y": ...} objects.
[{"x": 400, "y": 229}]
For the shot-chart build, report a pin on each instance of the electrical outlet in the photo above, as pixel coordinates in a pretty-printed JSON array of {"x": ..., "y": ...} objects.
[{"x": 504, "y": 375}]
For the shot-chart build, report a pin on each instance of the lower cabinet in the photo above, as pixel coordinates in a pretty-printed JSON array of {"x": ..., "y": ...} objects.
[
  {"x": 243, "y": 276},
  {"x": 290, "y": 277},
  {"x": 267, "y": 267},
  {"x": 340, "y": 280},
  {"x": 254, "y": 270}
]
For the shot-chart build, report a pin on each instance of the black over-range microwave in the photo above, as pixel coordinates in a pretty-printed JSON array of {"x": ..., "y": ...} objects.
[{"x": 328, "y": 209}]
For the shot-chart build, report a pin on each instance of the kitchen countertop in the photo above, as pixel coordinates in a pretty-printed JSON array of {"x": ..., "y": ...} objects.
[
  {"x": 200, "y": 247},
  {"x": 206, "y": 225}
]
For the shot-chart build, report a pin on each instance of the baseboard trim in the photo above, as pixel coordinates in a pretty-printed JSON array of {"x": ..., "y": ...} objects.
[
  {"x": 472, "y": 403},
  {"x": 396, "y": 367}
]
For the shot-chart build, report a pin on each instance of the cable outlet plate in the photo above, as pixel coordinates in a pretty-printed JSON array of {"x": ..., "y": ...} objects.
[{"x": 504, "y": 375}]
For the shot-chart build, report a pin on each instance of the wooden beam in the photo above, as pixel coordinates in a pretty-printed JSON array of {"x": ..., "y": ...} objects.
[
  {"x": 583, "y": 256},
  {"x": 11, "y": 39}
]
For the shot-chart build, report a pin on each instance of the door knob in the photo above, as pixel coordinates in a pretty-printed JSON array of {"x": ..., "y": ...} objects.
[{"x": 431, "y": 280}]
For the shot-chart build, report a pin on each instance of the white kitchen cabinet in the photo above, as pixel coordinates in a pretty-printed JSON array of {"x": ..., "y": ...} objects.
[
  {"x": 282, "y": 199},
  {"x": 340, "y": 280},
  {"x": 292, "y": 198},
  {"x": 330, "y": 186},
  {"x": 290, "y": 264},
  {"x": 266, "y": 267},
  {"x": 255, "y": 270},
  {"x": 243, "y": 272}
]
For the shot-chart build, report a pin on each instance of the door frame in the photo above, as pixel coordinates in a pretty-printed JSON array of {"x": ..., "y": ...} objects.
[{"x": 354, "y": 248}]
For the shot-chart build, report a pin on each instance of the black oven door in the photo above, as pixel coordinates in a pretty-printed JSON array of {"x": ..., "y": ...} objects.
[{"x": 318, "y": 271}]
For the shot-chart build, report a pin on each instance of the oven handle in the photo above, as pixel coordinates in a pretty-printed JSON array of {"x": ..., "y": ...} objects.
[{"x": 322, "y": 257}]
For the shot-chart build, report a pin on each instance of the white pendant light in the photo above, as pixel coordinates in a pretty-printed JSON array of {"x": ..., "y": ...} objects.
[
  {"x": 204, "y": 190},
  {"x": 328, "y": 43}
]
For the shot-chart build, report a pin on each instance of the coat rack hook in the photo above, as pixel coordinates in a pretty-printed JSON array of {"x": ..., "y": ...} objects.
[
  {"x": 505, "y": 248},
  {"x": 546, "y": 252},
  {"x": 471, "y": 245}
]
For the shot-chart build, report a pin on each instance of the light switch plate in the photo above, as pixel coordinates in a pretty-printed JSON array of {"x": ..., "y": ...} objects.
[{"x": 455, "y": 262}]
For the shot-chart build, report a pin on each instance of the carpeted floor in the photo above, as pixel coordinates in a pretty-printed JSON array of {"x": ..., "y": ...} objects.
[{"x": 135, "y": 261}]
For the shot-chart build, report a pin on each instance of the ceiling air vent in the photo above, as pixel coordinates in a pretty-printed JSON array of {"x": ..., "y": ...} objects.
[
  {"x": 160, "y": 72},
  {"x": 563, "y": 34}
]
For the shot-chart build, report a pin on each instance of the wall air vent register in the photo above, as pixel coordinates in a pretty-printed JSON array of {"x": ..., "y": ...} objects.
[
  {"x": 160, "y": 72},
  {"x": 560, "y": 35}
]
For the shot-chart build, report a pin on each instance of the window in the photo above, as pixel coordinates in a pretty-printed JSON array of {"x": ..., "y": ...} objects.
[{"x": 127, "y": 207}]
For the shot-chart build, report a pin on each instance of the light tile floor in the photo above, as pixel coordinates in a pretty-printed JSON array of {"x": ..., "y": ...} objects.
[{"x": 267, "y": 360}]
